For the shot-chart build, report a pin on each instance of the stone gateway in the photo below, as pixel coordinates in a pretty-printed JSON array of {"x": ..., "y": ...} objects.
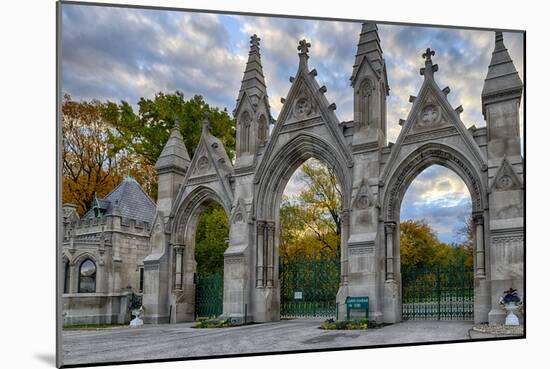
[{"x": 373, "y": 175}]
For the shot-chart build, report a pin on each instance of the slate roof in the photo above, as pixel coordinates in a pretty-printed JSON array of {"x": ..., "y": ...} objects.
[{"x": 133, "y": 202}]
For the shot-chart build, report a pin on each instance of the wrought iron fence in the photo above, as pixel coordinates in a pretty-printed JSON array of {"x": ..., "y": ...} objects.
[
  {"x": 437, "y": 293},
  {"x": 208, "y": 295},
  {"x": 309, "y": 286}
]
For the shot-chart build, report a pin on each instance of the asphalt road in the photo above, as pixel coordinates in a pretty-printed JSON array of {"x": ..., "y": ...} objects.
[{"x": 180, "y": 340}]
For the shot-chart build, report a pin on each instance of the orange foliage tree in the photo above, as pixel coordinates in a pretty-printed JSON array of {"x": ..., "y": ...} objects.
[{"x": 91, "y": 165}]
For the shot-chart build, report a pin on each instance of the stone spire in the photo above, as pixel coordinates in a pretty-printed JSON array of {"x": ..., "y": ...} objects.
[
  {"x": 502, "y": 76},
  {"x": 174, "y": 155},
  {"x": 369, "y": 47},
  {"x": 253, "y": 82},
  {"x": 172, "y": 166},
  {"x": 205, "y": 123}
]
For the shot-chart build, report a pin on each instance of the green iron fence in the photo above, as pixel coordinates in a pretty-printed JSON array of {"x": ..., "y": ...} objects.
[
  {"x": 208, "y": 295},
  {"x": 309, "y": 286},
  {"x": 437, "y": 293}
]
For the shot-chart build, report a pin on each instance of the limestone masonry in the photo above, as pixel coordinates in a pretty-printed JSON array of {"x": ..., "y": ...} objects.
[{"x": 127, "y": 240}]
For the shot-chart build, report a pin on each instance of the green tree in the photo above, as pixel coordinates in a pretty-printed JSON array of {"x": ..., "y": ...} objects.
[
  {"x": 210, "y": 239},
  {"x": 146, "y": 131},
  {"x": 310, "y": 220}
]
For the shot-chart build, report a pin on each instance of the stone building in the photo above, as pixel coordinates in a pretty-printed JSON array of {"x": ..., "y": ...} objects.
[
  {"x": 103, "y": 254},
  {"x": 373, "y": 174}
]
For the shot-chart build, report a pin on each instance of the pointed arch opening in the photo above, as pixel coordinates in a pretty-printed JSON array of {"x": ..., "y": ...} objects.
[
  {"x": 309, "y": 233},
  {"x": 268, "y": 200},
  {"x": 199, "y": 237},
  {"x": 417, "y": 261},
  {"x": 436, "y": 247}
]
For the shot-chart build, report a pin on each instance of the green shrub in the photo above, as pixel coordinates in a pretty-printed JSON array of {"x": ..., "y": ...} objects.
[
  {"x": 345, "y": 324},
  {"x": 212, "y": 323}
]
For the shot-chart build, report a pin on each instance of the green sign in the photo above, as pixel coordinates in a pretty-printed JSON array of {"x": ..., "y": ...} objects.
[{"x": 358, "y": 303}]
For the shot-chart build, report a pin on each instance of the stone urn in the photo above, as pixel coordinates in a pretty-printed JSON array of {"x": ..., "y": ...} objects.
[
  {"x": 511, "y": 303},
  {"x": 137, "y": 322},
  {"x": 511, "y": 317}
]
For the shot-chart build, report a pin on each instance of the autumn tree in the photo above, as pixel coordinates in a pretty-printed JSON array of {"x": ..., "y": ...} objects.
[
  {"x": 420, "y": 247},
  {"x": 310, "y": 220},
  {"x": 466, "y": 232},
  {"x": 92, "y": 165}
]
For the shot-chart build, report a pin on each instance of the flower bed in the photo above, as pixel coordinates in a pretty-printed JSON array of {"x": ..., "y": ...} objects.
[
  {"x": 346, "y": 324},
  {"x": 213, "y": 323}
]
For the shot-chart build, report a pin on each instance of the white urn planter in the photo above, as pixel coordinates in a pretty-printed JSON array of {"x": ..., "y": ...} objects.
[
  {"x": 511, "y": 317},
  {"x": 136, "y": 322}
]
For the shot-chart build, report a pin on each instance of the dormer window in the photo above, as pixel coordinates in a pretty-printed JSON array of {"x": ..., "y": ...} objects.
[{"x": 100, "y": 207}]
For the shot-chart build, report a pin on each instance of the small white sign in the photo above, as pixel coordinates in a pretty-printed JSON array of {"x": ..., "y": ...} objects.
[{"x": 298, "y": 295}]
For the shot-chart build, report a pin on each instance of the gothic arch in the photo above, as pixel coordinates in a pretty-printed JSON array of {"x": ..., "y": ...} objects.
[
  {"x": 83, "y": 256},
  {"x": 272, "y": 180},
  {"x": 262, "y": 129},
  {"x": 423, "y": 157},
  {"x": 245, "y": 123},
  {"x": 366, "y": 92},
  {"x": 190, "y": 208},
  {"x": 183, "y": 231}
]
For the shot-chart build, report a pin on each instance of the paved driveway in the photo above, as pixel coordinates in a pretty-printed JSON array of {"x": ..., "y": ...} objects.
[{"x": 180, "y": 340}]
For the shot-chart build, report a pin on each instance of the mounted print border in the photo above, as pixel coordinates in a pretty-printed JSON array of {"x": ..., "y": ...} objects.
[{"x": 140, "y": 164}]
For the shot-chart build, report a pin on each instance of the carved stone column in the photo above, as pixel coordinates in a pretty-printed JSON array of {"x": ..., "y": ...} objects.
[
  {"x": 480, "y": 245},
  {"x": 260, "y": 254},
  {"x": 389, "y": 227},
  {"x": 270, "y": 227},
  {"x": 344, "y": 221},
  {"x": 178, "y": 249}
]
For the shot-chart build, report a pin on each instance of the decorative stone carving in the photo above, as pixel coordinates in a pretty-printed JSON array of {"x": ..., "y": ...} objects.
[
  {"x": 361, "y": 249},
  {"x": 363, "y": 199},
  {"x": 365, "y": 92},
  {"x": 505, "y": 183},
  {"x": 303, "y": 107},
  {"x": 239, "y": 212},
  {"x": 429, "y": 117},
  {"x": 245, "y": 123},
  {"x": 506, "y": 179},
  {"x": 233, "y": 260},
  {"x": 507, "y": 239},
  {"x": 203, "y": 165}
]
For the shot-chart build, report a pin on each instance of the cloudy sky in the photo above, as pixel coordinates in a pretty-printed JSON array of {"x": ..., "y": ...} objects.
[{"x": 123, "y": 54}]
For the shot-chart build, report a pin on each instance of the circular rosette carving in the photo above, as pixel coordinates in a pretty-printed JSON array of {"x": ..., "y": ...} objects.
[
  {"x": 505, "y": 182},
  {"x": 363, "y": 202},
  {"x": 203, "y": 164},
  {"x": 429, "y": 117},
  {"x": 303, "y": 107}
]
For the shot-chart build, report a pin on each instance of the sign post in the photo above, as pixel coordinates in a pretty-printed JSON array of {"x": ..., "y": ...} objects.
[{"x": 357, "y": 303}]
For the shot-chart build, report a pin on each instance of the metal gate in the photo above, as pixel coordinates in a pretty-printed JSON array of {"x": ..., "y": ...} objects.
[
  {"x": 438, "y": 293},
  {"x": 309, "y": 286},
  {"x": 208, "y": 295}
]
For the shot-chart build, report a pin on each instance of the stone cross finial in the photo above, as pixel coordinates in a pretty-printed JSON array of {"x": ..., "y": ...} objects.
[
  {"x": 255, "y": 41},
  {"x": 428, "y": 54},
  {"x": 304, "y": 46}
]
